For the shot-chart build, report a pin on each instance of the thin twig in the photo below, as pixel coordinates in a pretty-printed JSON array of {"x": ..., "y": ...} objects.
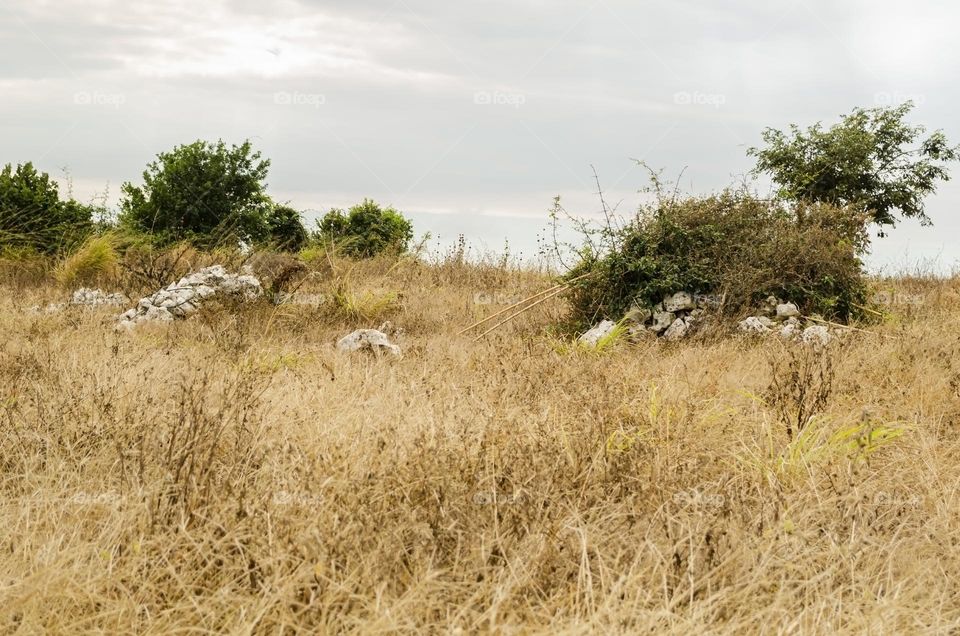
[
  {"x": 525, "y": 300},
  {"x": 525, "y": 309}
]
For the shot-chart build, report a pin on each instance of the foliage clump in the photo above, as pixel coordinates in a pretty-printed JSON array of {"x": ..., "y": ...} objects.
[
  {"x": 733, "y": 247},
  {"x": 285, "y": 229},
  {"x": 33, "y": 218},
  {"x": 209, "y": 194},
  {"x": 366, "y": 230},
  {"x": 872, "y": 160}
]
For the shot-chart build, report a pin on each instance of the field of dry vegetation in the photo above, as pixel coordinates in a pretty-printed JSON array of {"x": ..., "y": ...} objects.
[{"x": 235, "y": 473}]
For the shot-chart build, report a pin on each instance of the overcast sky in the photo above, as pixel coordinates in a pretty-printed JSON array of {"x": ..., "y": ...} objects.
[{"x": 470, "y": 116}]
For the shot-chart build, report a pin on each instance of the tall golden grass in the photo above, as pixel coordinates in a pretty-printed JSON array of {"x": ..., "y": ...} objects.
[{"x": 235, "y": 473}]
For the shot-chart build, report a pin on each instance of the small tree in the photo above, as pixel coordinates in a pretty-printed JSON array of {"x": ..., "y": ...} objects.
[
  {"x": 204, "y": 192},
  {"x": 33, "y": 217},
  {"x": 286, "y": 229},
  {"x": 366, "y": 229},
  {"x": 871, "y": 160}
]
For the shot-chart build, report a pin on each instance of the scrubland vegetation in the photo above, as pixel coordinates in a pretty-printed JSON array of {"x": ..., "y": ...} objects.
[
  {"x": 235, "y": 473},
  {"x": 232, "y": 471}
]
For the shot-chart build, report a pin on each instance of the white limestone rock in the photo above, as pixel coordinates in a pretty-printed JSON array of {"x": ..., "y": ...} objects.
[
  {"x": 662, "y": 321},
  {"x": 755, "y": 325},
  {"x": 368, "y": 340},
  {"x": 787, "y": 310},
  {"x": 816, "y": 335},
  {"x": 677, "y": 330},
  {"x": 597, "y": 333},
  {"x": 680, "y": 301}
]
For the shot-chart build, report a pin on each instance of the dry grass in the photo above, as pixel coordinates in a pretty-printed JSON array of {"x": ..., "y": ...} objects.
[{"x": 234, "y": 473}]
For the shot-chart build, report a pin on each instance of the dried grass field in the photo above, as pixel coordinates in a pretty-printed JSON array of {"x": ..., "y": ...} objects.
[{"x": 235, "y": 473}]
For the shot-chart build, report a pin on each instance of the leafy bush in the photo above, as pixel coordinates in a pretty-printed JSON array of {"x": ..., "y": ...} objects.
[
  {"x": 872, "y": 160},
  {"x": 32, "y": 216},
  {"x": 366, "y": 230},
  {"x": 286, "y": 230},
  {"x": 206, "y": 193},
  {"x": 734, "y": 247}
]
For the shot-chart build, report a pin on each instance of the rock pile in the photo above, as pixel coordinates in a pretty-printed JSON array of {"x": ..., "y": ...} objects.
[
  {"x": 784, "y": 319},
  {"x": 673, "y": 318},
  {"x": 96, "y": 298},
  {"x": 183, "y": 298},
  {"x": 681, "y": 312},
  {"x": 83, "y": 297}
]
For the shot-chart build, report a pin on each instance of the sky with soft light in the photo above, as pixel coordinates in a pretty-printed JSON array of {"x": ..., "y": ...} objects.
[{"x": 470, "y": 117}]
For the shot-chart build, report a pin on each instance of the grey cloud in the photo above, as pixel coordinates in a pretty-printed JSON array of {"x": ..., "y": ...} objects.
[{"x": 465, "y": 107}]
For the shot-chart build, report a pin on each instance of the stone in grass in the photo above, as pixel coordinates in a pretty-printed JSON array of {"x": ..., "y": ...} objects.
[
  {"x": 787, "y": 310},
  {"x": 755, "y": 324},
  {"x": 680, "y": 301},
  {"x": 368, "y": 340},
  {"x": 600, "y": 331},
  {"x": 769, "y": 306},
  {"x": 816, "y": 335},
  {"x": 638, "y": 315},
  {"x": 791, "y": 328},
  {"x": 662, "y": 321},
  {"x": 678, "y": 329}
]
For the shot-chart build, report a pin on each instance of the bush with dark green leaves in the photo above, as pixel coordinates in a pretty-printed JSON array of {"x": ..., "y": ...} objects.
[
  {"x": 734, "y": 247},
  {"x": 285, "y": 229},
  {"x": 872, "y": 160},
  {"x": 366, "y": 230},
  {"x": 32, "y": 215},
  {"x": 206, "y": 193}
]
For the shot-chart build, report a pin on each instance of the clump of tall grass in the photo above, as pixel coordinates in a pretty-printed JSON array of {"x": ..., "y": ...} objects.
[{"x": 95, "y": 261}]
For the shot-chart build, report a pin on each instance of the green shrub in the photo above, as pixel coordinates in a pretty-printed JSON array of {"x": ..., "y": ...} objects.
[
  {"x": 366, "y": 230},
  {"x": 206, "y": 193},
  {"x": 872, "y": 160},
  {"x": 286, "y": 230},
  {"x": 32, "y": 216},
  {"x": 734, "y": 247}
]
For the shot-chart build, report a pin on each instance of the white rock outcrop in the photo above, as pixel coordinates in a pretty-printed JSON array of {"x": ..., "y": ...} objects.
[
  {"x": 368, "y": 340},
  {"x": 787, "y": 310},
  {"x": 680, "y": 301},
  {"x": 672, "y": 318},
  {"x": 790, "y": 328},
  {"x": 755, "y": 324},
  {"x": 183, "y": 298},
  {"x": 678, "y": 329},
  {"x": 96, "y": 298},
  {"x": 597, "y": 333},
  {"x": 662, "y": 321},
  {"x": 816, "y": 335}
]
